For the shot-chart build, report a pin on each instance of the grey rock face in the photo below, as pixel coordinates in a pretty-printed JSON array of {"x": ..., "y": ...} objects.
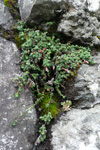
[
  {"x": 82, "y": 21},
  {"x": 25, "y": 8},
  {"x": 37, "y": 11},
  {"x": 87, "y": 85},
  {"x": 78, "y": 130},
  {"x": 6, "y": 20},
  {"x": 13, "y": 138}
]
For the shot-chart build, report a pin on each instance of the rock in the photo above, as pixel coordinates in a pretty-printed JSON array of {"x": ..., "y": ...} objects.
[
  {"x": 25, "y": 8},
  {"x": 87, "y": 84},
  {"x": 77, "y": 130},
  {"x": 6, "y": 20},
  {"x": 82, "y": 21},
  {"x": 37, "y": 11},
  {"x": 13, "y": 138}
]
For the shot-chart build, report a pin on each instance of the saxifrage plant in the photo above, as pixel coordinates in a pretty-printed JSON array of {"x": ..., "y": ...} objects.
[{"x": 47, "y": 64}]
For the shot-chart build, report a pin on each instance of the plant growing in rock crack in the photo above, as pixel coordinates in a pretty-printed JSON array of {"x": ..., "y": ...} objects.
[
  {"x": 47, "y": 64},
  {"x": 47, "y": 119},
  {"x": 13, "y": 8},
  {"x": 50, "y": 23},
  {"x": 66, "y": 105}
]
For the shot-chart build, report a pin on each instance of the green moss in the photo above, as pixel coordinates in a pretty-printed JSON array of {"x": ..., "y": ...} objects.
[
  {"x": 19, "y": 42},
  {"x": 13, "y": 36},
  {"x": 8, "y": 3},
  {"x": 93, "y": 34},
  {"x": 98, "y": 37},
  {"x": 5, "y": 34},
  {"x": 91, "y": 14},
  {"x": 13, "y": 8},
  {"x": 54, "y": 107},
  {"x": 18, "y": 39}
]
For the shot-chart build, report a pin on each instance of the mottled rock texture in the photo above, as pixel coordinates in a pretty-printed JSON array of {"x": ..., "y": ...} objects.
[
  {"x": 77, "y": 130},
  {"x": 6, "y": 20},
  {"x": 37, "y": 11},
  {"x": 13, "y": 138},
  {"x": 82, "y": 21},
  {"x": 87, "y": 84}
]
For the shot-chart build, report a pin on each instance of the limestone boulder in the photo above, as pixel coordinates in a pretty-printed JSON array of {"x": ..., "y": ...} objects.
[
  {"x": 6, "y": 20},
  {"x": 77, "y": 130},
  {"x": 14, "y": 138},
  {"x": 37, "y": 11},
  {"x": 87, "y": 85},
  {"x": 82, "y": 21}
]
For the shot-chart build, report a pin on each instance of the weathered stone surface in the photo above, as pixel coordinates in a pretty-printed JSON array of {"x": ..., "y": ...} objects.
[
  {"x": 6, "y": 20},
  {"x": 82, "y": 21},
  {"x": 87, "y": 85},
  {"x": 13, "y": 138},
  {"x": 25, "y": 8},
  {"x": 78, "y": 130},
  {"x": 92, "y": 5},
  {"x": 37, "y": 11}
]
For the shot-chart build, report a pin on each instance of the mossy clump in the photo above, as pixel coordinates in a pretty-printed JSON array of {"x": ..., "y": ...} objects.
[
  {"x": 18, "y": 40},
  {"x": 13, "y": 8},
  {"x": 91, "y": 14},
  {"x": 9, "y": 3},
  {"x": 53, "y": 104},
  {"x": 98, "y": 37},
  {"x": 93, "y": 34}
]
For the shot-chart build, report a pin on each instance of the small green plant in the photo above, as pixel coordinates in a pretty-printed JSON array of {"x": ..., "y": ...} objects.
[
  {"x": 66, "y": 105},
  {"x": 19, "y": 88},
  {"x": 42, "y": 132},
  {"x": 50, "y": 23},
  {"x": 22, "y": 114},
  {"x": 47, "y": 64},
  {"x": 47, "y": 119}
]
